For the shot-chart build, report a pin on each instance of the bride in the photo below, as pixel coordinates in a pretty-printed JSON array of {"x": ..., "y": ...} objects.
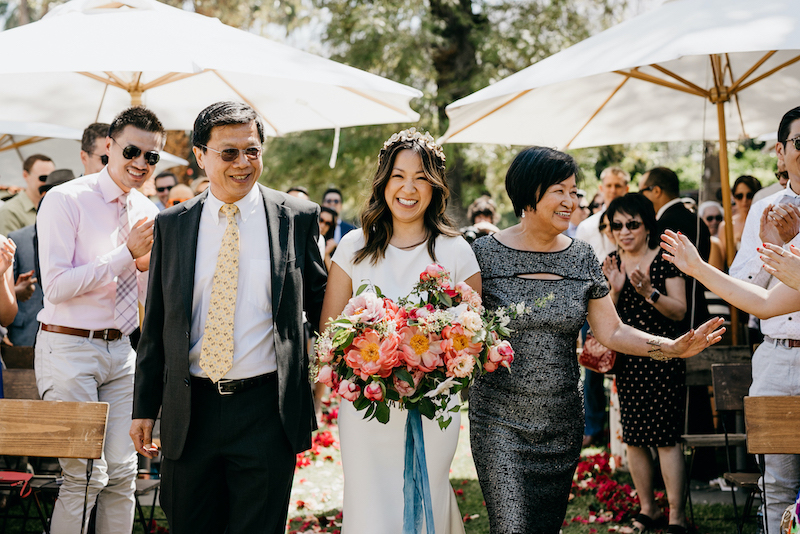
[{"x": 404, "y": 229}]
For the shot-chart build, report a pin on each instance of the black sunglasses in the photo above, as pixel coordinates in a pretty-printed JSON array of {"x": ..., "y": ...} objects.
[
  {"x": 782, "y": 175},
  {"x": 133, "y": 151},
  {"x": 630, "y": 225},
  {"x": 325, "y": 221},
  {"x": 795, "y": 141},
  {"x": 43, "y": 178},
  {"x": 165, "y": 188},
  {"x": 740, "y": 196},
  {"x": 103, "y": 157},
  {"x": 648, "y": 188},
  {"x": 711, "y": 218},
  {"x": 232, "y": 154},
  {"x": 602, "y": 226}
]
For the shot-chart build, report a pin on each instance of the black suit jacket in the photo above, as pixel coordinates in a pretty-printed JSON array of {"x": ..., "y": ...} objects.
[
  {"x": 298, "y": 280},
  {"x": 679, "y": 219}
]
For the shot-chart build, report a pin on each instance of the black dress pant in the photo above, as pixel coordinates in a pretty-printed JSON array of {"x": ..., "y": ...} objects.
[{"x": 235, "y": 472}]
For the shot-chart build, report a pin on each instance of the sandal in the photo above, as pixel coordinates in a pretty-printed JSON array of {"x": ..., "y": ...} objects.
[{"x": 647, "y": 522}]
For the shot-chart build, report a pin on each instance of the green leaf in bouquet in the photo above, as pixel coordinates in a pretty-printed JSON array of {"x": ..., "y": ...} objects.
[
  {"x": 426, "y": 407},
  {"x": 382, "y": 412},
  {"x": 446, "y": 300},
  {"x": 378, "y": 291},
  {"x": 361, "y": 289},
  {"x": 403, "y": 374},
  {"x": 392, "y": 395},
  {"x": 340, "y": 337},
  {"x": 370, "y": 411},
  {"x": 361, "y": 403},
  {"x": 444, "y": 423},
  {"x": 455, "y": 408}
]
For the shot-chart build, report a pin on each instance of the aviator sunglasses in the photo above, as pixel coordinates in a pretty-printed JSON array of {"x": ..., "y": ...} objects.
[
  {"x": 232, "y": 154},
  {"x": 630, "y": 225},
  {"x": 133, "y": 151},
  {"x": 711, "y": 218}
]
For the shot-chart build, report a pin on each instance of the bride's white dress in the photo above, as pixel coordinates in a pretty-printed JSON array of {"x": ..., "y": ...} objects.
[{"x": 373, "y": 454}]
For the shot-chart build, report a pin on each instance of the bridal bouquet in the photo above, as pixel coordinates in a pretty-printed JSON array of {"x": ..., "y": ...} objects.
[{"x": 415, "y": 352}]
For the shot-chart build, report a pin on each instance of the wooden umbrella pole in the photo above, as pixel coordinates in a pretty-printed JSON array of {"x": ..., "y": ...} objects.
[{"x": 724, "y": 180}]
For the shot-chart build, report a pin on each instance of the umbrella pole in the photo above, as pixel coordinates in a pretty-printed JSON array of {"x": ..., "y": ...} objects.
[{"x": 724, "y": 179}]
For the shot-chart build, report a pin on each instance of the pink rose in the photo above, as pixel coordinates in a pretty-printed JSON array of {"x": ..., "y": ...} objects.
[
  {"x": 374, "y": 391},
  {"x": 349, "y": 390},
  {"x": 506, "y": 351},
  {"x": 404, "y": 388},
  {"x": 494, "y": 355},
  {"x": 328, "y": 376},
  {"x": 434, "y": 271}
]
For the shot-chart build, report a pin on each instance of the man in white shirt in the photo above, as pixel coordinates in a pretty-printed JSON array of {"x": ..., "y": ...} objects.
[
  {"x": 776, "y": 363},
  {"x": 613, "y": 184},
  {"x": 95, "y": 235},
  {"x": 222, "y": 353}
]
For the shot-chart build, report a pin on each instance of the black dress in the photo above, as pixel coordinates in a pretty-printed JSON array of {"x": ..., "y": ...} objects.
[
  {"x": 652, "y": 394},
  {"x": 526, "y": 426}
]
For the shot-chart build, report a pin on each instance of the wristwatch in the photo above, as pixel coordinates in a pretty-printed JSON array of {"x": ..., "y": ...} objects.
[{"x": 654, "y": 296}]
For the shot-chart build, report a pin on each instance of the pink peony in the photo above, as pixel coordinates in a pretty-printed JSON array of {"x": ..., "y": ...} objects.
[
  {"x": 365, "y": 308},
  {"x": 490, "y": 367},
  {"x": 456, "y": 339},
  {"x": 419, "y": 350},
  {"x": 404, "y": 388},
  {"x": 370, "y": 355},
  {"x": 494, "y": 355},
  {"x": 461, "y": 366},
  {"x": 349, "y": 390},
  {"x": 374, "y": 391},
  {"x": 420, "y": 313},
  {"x": 328, "y": 376},
  {"x": 506, "y": 351}
]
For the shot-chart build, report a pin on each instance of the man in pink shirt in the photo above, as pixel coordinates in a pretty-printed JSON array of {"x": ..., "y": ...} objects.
[{"x": 95, "y": 235}]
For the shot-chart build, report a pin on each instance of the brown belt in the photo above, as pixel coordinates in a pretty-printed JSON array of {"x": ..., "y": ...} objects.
[{"x": 109, "y": 334}]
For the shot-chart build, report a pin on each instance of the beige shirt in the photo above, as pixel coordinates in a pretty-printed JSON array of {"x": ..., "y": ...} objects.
[{"x": 16, "y": 213}]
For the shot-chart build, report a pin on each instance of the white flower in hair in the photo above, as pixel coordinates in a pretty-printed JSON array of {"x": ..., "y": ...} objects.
[{"x": 425, "y": 139}]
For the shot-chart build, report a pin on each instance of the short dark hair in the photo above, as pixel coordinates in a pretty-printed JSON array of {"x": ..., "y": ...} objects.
[
  {"x": 666, "y": 179},
  {"x": 223, "y": 114},
  {"x": 325, "y": 209},
  {"x": 332, "y": 190},
  {"x": 786, "y": 124},
  {"x": 90, "y": 135},
  {"x": 299, "y": 189},
  {"x": 533, "y": 171},
  {"x": 30, "y": 161},
  {"x": 483, "y": 205},
  {"x": 139, "y": 117},
  {"x": 751, "y": 182},
  {"x": 634, "y": 204},
  {"x": 166, "y": 174}
]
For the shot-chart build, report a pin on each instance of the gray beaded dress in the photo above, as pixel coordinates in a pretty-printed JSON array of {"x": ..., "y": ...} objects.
[{"x": 526, "y": 426}]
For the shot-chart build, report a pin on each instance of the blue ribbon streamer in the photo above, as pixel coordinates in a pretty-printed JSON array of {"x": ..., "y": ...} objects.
[{"x": 416, "y": 486}]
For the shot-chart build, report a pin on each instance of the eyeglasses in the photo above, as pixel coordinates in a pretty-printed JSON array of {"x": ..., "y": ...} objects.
[
  {"x": 332, "y": 201},
  {"x": 165, "y": 188},
  {"x": 43, "y": 178},
  {"x": 325, "y": 221},
  {"x": 133, "y": 151},
  {"x": 740, "y": 196},
  {"x": 176, "y": 201},
  {"x": 711, "y": 218},
  {"x": 602, "y": 226},
  {"x": 630, "y": 225},
  {"x": 232, "y": 154},
  {"x": 782, "y": 175},
  {"x": 103, "y": 157},
  {"x": 645, "y": 189},
  {"x": 795, "y": 141}
]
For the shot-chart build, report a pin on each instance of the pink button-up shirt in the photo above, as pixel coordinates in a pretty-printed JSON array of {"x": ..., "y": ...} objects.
[{"x": 79, "y": 258}]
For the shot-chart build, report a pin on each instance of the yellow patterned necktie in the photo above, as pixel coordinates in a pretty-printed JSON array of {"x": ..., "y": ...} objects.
[{"x": 216, "y": 355}]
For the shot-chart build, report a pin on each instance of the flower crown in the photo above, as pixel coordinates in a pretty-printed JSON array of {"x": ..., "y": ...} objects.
[{"x": 425, "y": 139}]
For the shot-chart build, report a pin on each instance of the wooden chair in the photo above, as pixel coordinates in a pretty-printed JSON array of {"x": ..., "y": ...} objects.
[
  {"x": 54, "y": 429},
  {"x": 771, "y": 424},
  {"x": 731, "y": 384}
]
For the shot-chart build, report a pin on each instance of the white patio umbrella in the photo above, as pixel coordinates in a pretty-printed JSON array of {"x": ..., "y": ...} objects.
[
  {"x": 19, "y": 140},
  {"x": 656, "y": 77},
  {"x": 87, "y": 60}
]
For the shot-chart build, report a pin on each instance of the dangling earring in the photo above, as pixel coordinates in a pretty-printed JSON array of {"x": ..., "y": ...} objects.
[{"x": 523, "y": 214}]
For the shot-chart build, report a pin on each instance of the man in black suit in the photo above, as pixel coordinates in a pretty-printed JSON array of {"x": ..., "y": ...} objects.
[
  {"x": 222, "y": 352},
  {"x": 333, "y": 199},
  {"x": 662, "y": 187}
]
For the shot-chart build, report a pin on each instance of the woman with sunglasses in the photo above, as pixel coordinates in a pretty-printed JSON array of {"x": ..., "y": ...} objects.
[
  {"x": 650, "y": 295},
  {"x": 527, "y": 425},
  {"x": 744, "y": 189}
]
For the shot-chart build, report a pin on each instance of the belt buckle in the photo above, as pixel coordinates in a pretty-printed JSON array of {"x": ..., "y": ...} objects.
[
  {"x": 105, "y": 334},
  {"x": 221, "y": 391}
]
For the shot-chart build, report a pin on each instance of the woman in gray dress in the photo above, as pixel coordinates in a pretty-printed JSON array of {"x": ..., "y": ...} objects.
[{"x": 527, "y": 425}]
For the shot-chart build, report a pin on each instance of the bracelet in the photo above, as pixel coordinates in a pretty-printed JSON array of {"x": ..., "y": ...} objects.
[{"x": 655, "y": 351}]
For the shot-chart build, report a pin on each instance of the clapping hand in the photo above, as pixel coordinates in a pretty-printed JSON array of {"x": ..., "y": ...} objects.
[
  {"x": 696, "y": 340},
  {"x": 615, "y": 272},
  {"x": 781, "y": 263},
  {"x": 680, "y": 252},
  {"x": 641, "y": 283},
  {"x": 786, "y": 219},
  {"x": 25, "y": 286},
  {"x": 7, "y": 250}
]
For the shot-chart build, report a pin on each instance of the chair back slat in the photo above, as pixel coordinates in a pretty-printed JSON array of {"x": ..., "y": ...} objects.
[
  {"x": 20, "y": 384},
  {"x": 698, "y": 368},
  {"x": 731, "y": 384},
  {"x": 52, "y": 429},
  {"x": 772, "y": 424}
]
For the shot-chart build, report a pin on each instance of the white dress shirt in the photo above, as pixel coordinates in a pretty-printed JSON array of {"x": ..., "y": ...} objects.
[
  {"x": 589, "y": 231},
  {"x": 748, "y": 266},
  {"x": 253, "y": 346},
  {"x": 667, "y": 206},
  {"x": 79, "y": 258}
]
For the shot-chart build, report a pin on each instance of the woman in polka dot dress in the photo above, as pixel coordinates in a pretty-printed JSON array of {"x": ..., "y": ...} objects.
[{"x": 650, "y": 295}]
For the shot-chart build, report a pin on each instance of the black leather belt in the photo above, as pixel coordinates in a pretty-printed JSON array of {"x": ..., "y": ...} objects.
[{"x": 229, "y": 387}]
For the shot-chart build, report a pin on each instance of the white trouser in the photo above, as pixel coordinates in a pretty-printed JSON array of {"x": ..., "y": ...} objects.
[
  {"x": 776, "y": 372},
  {"x": 73, "y": 368}
]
